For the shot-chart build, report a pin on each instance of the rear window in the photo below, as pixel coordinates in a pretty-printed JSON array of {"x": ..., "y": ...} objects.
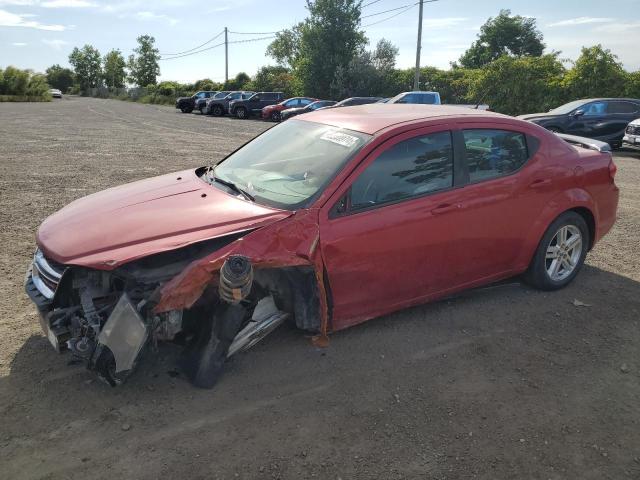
[{"x": 493, "y": 153}]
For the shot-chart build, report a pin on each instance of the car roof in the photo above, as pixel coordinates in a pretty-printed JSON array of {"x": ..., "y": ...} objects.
[
  {"x": 605, "y": 99},
  {"x": 374, "y": 117}
]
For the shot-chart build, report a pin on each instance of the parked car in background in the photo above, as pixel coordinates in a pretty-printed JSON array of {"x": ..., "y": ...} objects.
[
  {"x": 188, "y": 104},
  {"x": 201, "y": 103},
  {"x": 244, "y": 108},
  {"x": 292, "y": 112},
  {"x": 216, "y": 258},
  {"x": 55, "y": 93},
  {"x": 418, "y": 97},
  {"x": 604, "y": 119},
  {"x": 632, "y": 134},
  {"x": 220, "y": 106},
  {"x": 272, "y": 112},
  {"x": 353, "y": 101}
]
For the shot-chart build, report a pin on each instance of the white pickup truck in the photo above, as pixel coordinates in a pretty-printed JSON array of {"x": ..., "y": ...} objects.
[
  {"x": 632, "y": 134},
  {"x": 429, "y": 98}
]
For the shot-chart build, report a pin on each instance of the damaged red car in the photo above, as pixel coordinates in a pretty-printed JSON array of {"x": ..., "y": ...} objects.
[{"x": 328, "y": 220}]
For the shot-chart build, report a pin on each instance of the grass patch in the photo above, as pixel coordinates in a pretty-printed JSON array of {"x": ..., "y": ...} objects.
[{"x": 24, "y": 98}]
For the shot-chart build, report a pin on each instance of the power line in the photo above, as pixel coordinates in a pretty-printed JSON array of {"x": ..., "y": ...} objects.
[
  {"x": 389, "y": 18},
  {"x": 370, "y": 3},
  {"x": 194, "y": 48},
  {"x": 253, "y": 39},
  {"x": 387, "y": 11},
  {"x": 194, "y": 53},
  {"x": 189, "y": 53},
  {"x": 255, "y": 33}
]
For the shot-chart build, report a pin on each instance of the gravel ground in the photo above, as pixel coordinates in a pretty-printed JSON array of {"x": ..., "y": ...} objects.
[{"x": 501, "y": 382}]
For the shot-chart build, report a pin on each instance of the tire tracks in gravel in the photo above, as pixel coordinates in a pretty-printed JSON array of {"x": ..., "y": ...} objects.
[{"x": 154, "y": 127}]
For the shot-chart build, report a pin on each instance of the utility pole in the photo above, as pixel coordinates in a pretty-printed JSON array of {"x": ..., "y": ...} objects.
[
  {"x": 416, "y": 80},
  {"x": 226, "y": 56}
]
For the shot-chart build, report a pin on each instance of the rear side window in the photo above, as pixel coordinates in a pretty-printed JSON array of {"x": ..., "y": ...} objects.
[
  {"x": 408, "y": 169},
  {"x": 623, "y": 107},
  {"x": 493, "y": 153}
]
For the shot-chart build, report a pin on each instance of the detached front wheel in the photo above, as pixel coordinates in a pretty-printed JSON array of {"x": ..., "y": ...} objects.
[{"x": 560, "y": 254}]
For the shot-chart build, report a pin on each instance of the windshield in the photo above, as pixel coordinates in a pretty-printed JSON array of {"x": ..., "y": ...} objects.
[
  {"x": 289, "y": 164},
  {"x": 567, "y": 107}
]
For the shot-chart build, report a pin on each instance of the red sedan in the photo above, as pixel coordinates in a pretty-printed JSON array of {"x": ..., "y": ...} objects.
[
  {"x": 272, "y": 112},
  {"x": 328, "y": 220}
]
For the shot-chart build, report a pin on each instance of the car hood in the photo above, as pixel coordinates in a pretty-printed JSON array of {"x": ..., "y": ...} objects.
[
  {"x": 121, "y": 224},
  {"x": 179, "y": 99},
  {"x": 537, "y": 116}
]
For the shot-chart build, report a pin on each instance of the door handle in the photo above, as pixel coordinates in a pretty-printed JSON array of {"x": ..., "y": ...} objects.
[
  {"x": 540, "y": 183},
  {"x": 444, "y": 208}
]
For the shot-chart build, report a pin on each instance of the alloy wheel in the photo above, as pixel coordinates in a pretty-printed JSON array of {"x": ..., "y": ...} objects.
[{"x": 563, "y": 253}]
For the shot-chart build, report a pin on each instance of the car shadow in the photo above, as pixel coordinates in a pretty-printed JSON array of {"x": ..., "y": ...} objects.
[{"x": 479, "y": 350}]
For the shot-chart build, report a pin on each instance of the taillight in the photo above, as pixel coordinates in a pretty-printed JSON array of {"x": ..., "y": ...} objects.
[{"x": 613, "y": 169}]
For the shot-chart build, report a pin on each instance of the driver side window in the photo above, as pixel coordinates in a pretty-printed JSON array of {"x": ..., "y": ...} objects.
[
  {"x": 411, "y": 168},
  {"x": 595, "y": 108}
]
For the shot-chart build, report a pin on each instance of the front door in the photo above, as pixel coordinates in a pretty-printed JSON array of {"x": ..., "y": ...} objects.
[{"x": 386, "y": 238}]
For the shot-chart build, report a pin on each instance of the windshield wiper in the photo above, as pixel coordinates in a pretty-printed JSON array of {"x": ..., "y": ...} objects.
[{"x": 231, "y": 185}]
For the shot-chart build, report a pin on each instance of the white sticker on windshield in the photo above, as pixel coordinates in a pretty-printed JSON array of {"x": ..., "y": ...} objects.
[{"x": 340, "y": 138}]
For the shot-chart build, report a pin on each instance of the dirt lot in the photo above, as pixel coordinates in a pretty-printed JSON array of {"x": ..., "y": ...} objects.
[{"x": 503, "y": 382}]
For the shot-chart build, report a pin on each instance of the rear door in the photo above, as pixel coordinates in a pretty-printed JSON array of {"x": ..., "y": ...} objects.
[
  {"x": 622, "y": 112},
  {"x": 507, "y": 182}
]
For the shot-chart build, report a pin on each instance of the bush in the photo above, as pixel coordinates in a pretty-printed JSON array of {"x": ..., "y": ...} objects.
[{"x": 23, "y": 86}]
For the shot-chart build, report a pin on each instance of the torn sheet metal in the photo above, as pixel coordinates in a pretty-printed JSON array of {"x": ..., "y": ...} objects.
[{"x": 288, "y": 243}]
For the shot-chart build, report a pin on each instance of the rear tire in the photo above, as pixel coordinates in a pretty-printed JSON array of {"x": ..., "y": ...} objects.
[
  {"x": 560, "y": 254},
  {"x": 554, "y": 129}
]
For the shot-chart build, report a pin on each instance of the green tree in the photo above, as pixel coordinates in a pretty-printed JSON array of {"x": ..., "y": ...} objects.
[
  {"x": 517, "y": 85},
  {"x": 633, "y": 85},
  {"x": 114, "y": 66},
  {"x": 38, "y": 86},
  {"x": 240, "y": 82},
  {"x": 273, "y": 78},
  {"x": 15, "y": 81},
  {"x": 454, "y": 85},
  {"x": 87, "y": 65},
  {"x": 596, "y": 73},
  {"x": 366, "y": 74},
  {"x": 328, "y": 39},
  {"x": 143, "y": 67},
  {"x": 504, "y": 35},
  {"x": 60, "y": 77}
]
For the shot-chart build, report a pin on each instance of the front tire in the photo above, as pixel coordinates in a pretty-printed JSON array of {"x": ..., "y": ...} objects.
[
  {"x": 185, "y": 109},
  {"x": 241, "y": 113},
  {"x": 217, "y": 111},
  {"x": 560, "y": 254},
  {"x": 275, "y": 117},
  {"x": 554, "y": 129}
]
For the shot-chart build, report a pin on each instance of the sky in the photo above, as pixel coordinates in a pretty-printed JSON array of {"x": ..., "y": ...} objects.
[{"x": 38, "y": 33}]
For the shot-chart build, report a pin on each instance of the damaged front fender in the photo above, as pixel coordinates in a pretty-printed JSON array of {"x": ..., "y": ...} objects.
[{"x": 291, "y": 242}]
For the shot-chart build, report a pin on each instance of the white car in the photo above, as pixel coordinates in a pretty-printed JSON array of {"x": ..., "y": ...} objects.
[
  {"x": 55, "y": 93},
  {"x": 632, "y": 134}
]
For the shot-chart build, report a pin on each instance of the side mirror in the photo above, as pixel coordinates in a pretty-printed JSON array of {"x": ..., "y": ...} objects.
[
  {"x": 257, "y": 99},
  {"x": 578, "y": 113}
]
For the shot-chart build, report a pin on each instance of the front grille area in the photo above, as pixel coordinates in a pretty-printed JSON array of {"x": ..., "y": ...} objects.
[
  {"x": 633, "y": 129},
  {"x": 45, "y": 275}
]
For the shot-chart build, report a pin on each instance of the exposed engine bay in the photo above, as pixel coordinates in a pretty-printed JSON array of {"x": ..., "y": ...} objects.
[{"x": 107, "y": 319}]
